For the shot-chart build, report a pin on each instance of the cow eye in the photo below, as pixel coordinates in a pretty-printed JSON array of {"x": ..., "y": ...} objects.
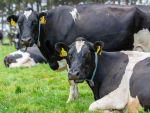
[
  {"x": 88, "y": 53},
  {"x": 19, "y": 23}
]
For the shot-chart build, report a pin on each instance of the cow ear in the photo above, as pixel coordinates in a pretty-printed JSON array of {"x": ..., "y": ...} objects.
[
  {"x": 62, "y": 49},
  {"x": 98, "y": 46},
  {"x": 14, "y": 17},
  {"x": 41, "y": 17},
  {"x": 42, "y": 14}
]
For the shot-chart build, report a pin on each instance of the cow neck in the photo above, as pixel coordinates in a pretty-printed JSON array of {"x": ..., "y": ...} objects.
[
  {"x": 43, "y": 48},
  {"x": 91, "y": 80}
]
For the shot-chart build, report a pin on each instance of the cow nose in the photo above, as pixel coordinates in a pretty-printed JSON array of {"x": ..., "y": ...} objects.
[
  {"x": 26, "y": 41},
  {"x": 73, "y": 75}
]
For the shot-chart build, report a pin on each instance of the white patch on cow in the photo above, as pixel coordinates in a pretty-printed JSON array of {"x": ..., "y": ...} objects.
[
  {"x": 75, "y": 14},
  {"x": 16, "y": 40},
  {"x": 62, "y": 65},
  {"x": 142, "y": 39},
  {"x": 118, "y": 98},
  {"x": 74, "y": 93},
  {"x": 25, "y": 61},
  {"x": 79, "y": 45},
  {"x": 139, "y": 49},
  {"x": 27, "y": 13},
  {"x": 68, "y": 67},
  {"x": 133, "y": 104}
]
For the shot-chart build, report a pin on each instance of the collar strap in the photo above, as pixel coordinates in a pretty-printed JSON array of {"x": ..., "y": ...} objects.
[
  {"x": 96, "y": 61},
  {"x": 38, "y": 41}
]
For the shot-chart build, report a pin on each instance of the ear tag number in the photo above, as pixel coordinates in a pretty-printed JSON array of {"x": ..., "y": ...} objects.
[
  {"x": 12, "y": 23},
  {"x": 43, "y": 21},
  {"x": 63, "y": 53},
  {"x": 99, "y": 50}
]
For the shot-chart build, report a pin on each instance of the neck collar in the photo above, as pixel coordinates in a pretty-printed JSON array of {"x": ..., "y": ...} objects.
[{"x": 91, "y": 80}]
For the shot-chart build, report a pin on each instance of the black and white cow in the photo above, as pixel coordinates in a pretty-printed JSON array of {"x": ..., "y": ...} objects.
[
  {"x": 113, "y": 24},
  {"x": 119, "y": 79},
  {"x": 31, "y": 57}
]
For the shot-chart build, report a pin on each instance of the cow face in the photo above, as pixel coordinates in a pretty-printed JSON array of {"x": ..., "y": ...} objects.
[
  {"x": 28, "y": 22},
  {"x": 80, "y": 58}
]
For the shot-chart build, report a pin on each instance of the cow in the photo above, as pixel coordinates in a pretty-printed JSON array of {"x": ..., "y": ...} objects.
[
  {"x": 113, "y": 24},
  {"x": 117, "y": 79},
  {"x": 1, "y": 39},
  {"x": 31, "y": 57}
]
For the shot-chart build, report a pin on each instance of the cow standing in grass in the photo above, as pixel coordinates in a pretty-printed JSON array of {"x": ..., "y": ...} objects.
[
  {"x": 117, "y": 79},
  {"x": 113, "y": 24}
]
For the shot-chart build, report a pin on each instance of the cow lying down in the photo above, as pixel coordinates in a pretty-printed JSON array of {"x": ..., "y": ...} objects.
[
  {"x": 31, "y": 57},
  {"x": 117, "y": 79}
]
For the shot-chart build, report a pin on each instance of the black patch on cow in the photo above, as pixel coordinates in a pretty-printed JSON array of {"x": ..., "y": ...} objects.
[
  {"x": 140, "y": 83},
  {"x": 11, "y": 59},
  {"x": 35, "y": 54},
  {"x": 111, "y": 68}
]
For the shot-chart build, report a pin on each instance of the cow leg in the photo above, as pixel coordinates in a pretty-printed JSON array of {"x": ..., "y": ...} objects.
[
  {"x": 114, "y": 100},
  {"x": 74, "y": 94}
]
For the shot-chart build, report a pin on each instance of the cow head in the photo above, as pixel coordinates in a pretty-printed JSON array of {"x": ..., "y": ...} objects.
[
  {"x": 28, "y": 22},
  {"x": 80, "y": 58}
]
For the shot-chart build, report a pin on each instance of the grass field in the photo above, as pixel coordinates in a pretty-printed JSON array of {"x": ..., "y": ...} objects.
[{"x": 38, "y": 89}]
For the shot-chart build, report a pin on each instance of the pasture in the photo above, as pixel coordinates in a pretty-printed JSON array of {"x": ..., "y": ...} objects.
[{"x": 38, "y": 89}]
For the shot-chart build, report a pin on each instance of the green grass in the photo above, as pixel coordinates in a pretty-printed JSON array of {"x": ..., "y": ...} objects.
[{"x": 38, "y": 89}]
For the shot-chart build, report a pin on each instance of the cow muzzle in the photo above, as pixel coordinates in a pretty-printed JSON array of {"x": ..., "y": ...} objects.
[
  {"x": 26, "y": 41},
  {"x": 73, "y": 75}
]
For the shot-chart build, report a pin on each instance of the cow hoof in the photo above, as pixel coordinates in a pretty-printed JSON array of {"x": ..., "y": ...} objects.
[{"x": 93, "y": 107}]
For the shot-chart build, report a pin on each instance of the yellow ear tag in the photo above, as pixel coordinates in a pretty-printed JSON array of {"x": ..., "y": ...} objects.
[
  {"x": 63, "y": 53},
  {"x": 11, "y": 33},
  {"x": 12, "y": 23},
  {"x": 98, "y": 50},
  {"x": 43, "y": 21}
]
